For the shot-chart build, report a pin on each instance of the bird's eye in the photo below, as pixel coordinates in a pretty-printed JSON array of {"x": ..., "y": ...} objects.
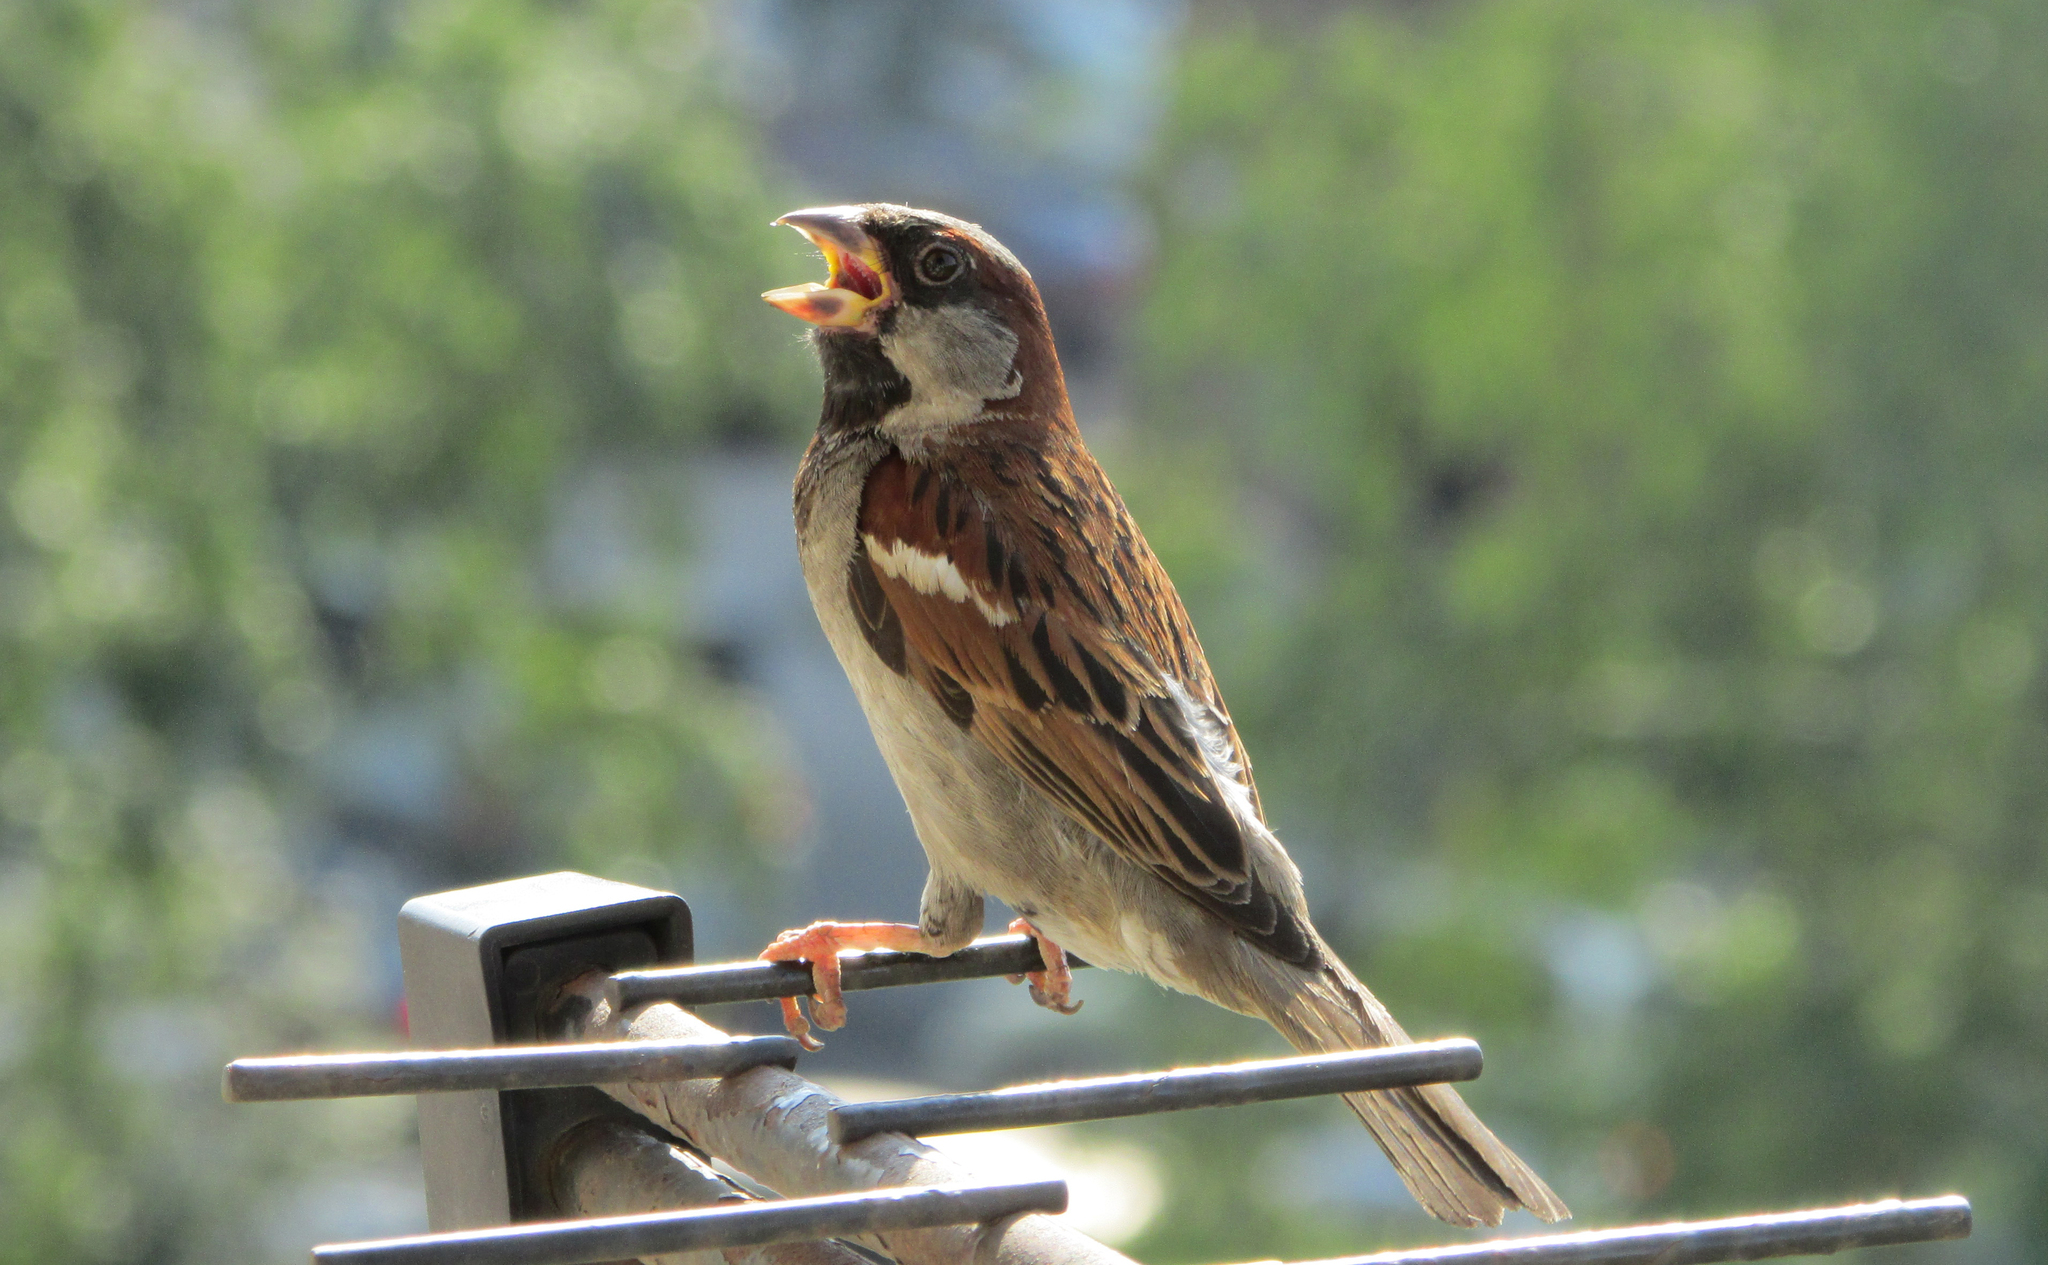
[{"x": 939, "y": 263}]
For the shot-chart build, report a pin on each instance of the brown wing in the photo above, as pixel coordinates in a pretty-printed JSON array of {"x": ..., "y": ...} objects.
[{"x": 1078, "y": 668}]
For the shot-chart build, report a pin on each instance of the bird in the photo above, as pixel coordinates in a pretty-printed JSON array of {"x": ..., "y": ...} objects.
[{"x": 1037, "y": 690}]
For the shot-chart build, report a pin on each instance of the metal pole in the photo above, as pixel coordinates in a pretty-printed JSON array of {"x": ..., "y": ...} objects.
[
  {"x": 1109, "y": 1097},
  {"x": 610, "y": 1168},
  {"x": 504, "y": 1067},
  {"x": 771, "y": 1125},
  {"x": 765, "y": 981},
  {"x": 739, "y": 1225},
  {"x": 1812, "y": 1233}
]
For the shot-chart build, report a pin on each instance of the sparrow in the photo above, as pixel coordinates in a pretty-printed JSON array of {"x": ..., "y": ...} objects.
[{"x": 1036, "y": 687}]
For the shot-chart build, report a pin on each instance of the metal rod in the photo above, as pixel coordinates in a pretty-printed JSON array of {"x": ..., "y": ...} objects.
[
  {"x": 610, "y": 1168},
  {"x": 1108, "y": 1097},
  {"x": 765, "y": 981},
  {"x": 659, "y": 1233},
  {"x": 1815, "y": 1232},
  {"x": 505, "y": 1067}
]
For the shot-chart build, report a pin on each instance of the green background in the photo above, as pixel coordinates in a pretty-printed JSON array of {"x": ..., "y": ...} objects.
[{"x": 1602, "y": 445}]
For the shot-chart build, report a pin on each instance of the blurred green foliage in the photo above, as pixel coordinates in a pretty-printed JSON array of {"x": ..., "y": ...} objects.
[
  {"x": 1601, "y": 442},
  {"x": 1603, "y": 446},
  {"x": 309, "y": 315}
]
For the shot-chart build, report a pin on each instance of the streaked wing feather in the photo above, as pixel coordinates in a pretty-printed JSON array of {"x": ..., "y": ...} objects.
[{"x": 1085, "y": 694}]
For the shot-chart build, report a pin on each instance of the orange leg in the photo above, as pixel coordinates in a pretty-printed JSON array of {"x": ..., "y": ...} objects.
[
  {"x": 820, "y": 944},
  {"x": 1053, "y": 986}
]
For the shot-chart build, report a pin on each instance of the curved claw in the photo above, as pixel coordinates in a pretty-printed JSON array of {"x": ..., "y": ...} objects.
[
  {"x": 819, "y": 944},
  {"x": 1051, "y": 999},
  {"x": 1053, "y": 986}
]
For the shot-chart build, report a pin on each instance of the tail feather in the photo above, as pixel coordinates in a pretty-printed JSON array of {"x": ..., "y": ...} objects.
[{"x": 1451, "y": 1163}]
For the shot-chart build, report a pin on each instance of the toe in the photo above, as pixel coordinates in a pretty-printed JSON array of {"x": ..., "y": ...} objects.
[
  {"x": 1053, "y": 994},
  {"x": 799, "y": 944},
  {"x": 799, "y": 1027}
]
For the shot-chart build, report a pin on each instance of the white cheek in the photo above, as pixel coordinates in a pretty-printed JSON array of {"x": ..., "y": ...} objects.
[{"x": 955, "y": 358}]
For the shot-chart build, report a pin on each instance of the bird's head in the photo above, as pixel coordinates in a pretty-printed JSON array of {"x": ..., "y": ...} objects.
[{"x": 926, "y": 297}]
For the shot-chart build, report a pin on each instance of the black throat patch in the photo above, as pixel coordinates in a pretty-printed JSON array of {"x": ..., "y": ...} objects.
[{"x": 861, "y": 386}]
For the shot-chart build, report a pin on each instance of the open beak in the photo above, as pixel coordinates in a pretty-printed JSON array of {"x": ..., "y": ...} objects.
[{"x": 857, "y": 281}]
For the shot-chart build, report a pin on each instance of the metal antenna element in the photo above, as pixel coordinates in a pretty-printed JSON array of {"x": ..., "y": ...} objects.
[
  {"x": 615, "y": 1168},
  {"x": 765, "y": 981},
  {"x": 698, "y": 1229},
  {"x": 597, "y": 1125},
  {"x": 501, "y": 1067},
  {"x": 1811, "y": 1233},
  {"x": 772, "y": 1125},
  {"x": 1103, "y": 1098}
]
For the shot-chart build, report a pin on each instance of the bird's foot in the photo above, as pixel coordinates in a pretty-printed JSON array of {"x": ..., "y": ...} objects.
[
  {"x": 1052, "y": 987},
  {"x": 820, "y": 944}
]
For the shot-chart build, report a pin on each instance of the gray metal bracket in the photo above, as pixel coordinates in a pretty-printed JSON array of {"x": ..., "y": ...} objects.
[{"x": 479, "y": 965}]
